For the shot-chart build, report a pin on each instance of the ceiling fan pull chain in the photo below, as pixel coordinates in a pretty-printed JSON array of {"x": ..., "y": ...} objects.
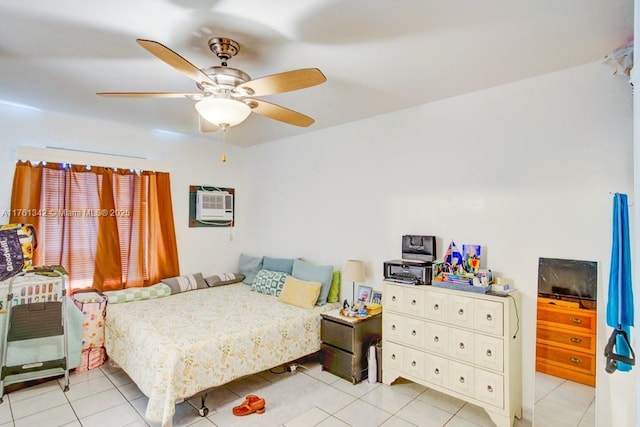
[{"x": 224, "y": 140}]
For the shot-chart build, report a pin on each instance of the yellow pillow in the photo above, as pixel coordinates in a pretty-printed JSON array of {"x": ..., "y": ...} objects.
[{"x": 300, "y": 293}]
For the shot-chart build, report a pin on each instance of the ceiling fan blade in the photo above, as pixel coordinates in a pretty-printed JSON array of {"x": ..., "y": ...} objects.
[
  {"x": 176, "y": 61},
  {"x": 148, "y": 94},
  {"x": 282, "y": 114},
  {"x": 285, "y": 82},
  {"x": 206, "y": 126}
]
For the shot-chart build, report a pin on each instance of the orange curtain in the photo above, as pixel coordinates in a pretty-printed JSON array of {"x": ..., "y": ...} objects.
[{"x": 109, "y": 228}]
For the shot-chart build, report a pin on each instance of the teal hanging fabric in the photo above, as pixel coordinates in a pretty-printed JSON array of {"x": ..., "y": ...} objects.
[{"x": 618, "y": 350}]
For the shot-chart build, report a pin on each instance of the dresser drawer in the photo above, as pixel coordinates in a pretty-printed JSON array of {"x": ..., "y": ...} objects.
[
  {"x": 567, "y": 359},
  {"x": 488, "y": 317},
  {"x": 392, "y": 356},
  {"x": 460, "y": 311},
  {"x": 413, "y": 332},
  {"x": 392, "y": 298},
  {"x": 574, "y": 319},
  {"x": 436, "y": 306},
  {"x": 461, "y": 378},
  {"x": 337, "y": 334},
  {"x": 489, "y": 352},
  {"x": 461, "y": 344},
  {"x": 436, "y": 370},
  {"x": 489, "y": 388},
  {"x": 436, "y": 338},
  {"x": 413, "y": 301},
  {"x": 576, "y": 340},
  {"x": 413, "y": 362},
  {"x": 392, "y": 327}
]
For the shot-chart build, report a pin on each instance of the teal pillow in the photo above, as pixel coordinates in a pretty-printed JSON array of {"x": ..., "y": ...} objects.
[
  {"x": 314, "y": 273},
  {"x": 334, "y": 290},
  {"x": 269, "y": 282},
  {"x": 284, "y": 265},
  {"x": 249, "y": 266}
]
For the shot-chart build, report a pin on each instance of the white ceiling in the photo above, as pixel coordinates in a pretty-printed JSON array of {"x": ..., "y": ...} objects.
[{"x": 378, "y": 55}]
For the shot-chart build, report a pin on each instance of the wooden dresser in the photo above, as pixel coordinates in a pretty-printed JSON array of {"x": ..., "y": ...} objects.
[
  {"x": 464, "y": 344},
  {"x": 566, "y": 342}
]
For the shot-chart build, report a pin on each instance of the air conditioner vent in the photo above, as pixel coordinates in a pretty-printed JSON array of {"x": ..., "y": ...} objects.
[{"x": 214, "y": 206}]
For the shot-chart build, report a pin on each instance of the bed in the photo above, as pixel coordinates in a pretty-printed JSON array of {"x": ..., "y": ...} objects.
[{"x": 179, "y": 345}]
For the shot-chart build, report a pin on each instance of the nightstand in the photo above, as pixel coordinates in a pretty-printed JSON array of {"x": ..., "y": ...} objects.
[{"x": 345, "y": 343}]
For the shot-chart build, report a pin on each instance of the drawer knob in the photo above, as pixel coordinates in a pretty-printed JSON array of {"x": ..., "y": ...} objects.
[
  {"x": 413, "y": 363},
  {"x": 461, "y": 346},
  {"x": 489, "y": 317},
  {"x": 436, "y": 339},
  {"x": 393, "y": 327},
  {"x": 490, "y": 389},
  {"x": 461, "y": 312},
  {"x": 413, "y": 302},
  {"x": 436, "y": 371},
  {"x": 413, "y": 333},
  {"x": 576, "y": 340},
  {"x": 436, "y": 307},
  {"x": 461, "y": 380},
  {"x": 575, "y": 360},
  {"x": 393, "y": 298},
  {"x": 576, "y": 320},
  {"x": 489, "y": 353},
  {"x": 393, "y": 357}
]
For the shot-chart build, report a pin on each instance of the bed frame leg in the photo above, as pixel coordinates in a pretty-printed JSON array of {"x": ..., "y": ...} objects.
[{"x": 203, "y": 411}]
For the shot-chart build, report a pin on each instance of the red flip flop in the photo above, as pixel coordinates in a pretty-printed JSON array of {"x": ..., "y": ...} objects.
[{"x": 251, "y": 404}]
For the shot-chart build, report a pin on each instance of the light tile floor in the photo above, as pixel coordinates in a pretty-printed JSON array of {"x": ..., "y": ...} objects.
[
  {"x": 308, "y": 397},
  {"x": 576, "y": 402}
]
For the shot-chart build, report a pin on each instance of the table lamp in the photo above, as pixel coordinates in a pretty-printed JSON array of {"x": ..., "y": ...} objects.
[{"x": 353, "y": 272}]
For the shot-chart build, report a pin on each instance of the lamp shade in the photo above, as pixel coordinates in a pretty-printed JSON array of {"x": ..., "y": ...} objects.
[
  {"x": 353, "y": 271},
  {"x": 223, "y": 111}
]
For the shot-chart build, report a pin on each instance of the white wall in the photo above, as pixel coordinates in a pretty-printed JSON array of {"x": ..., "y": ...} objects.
[
  {"x": 190, "y": 162},
  {"x": 525, "y": 169}
]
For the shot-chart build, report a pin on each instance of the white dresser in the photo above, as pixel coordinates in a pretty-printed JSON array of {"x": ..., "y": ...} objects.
[{"x": 464, "y": 344}]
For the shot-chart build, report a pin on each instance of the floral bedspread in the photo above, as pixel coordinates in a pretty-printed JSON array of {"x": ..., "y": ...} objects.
[{"x": 177, "y": 346}]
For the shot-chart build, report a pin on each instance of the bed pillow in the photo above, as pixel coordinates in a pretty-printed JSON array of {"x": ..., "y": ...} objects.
[
  {"x": 300, "y": 293},
  {"x": 278, "y": 264},
  {"x": 223, "y": 279},
  {"x": 158, "y": 290},
  {"x": 314, "y": 273},
  {"x": 249, "y": 266},
  {"x": 185, "y": 283},
  {"x": 334, "y": 289},
  {"x": 269, "y": 282}
]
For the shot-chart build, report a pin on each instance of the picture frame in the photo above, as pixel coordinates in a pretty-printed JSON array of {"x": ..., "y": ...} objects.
[
  {"x": 376, "y": 297},
  {"x": 364, "y": 293}
]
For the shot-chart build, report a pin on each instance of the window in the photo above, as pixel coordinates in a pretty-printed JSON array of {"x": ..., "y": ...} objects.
[{"x": 109, "y": 228}]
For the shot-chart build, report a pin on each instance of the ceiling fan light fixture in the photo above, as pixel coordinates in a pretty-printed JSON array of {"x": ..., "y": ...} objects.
[{"x": 223, "y": 112}]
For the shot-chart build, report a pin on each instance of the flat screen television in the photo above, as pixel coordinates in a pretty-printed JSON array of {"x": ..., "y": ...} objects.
[{"x": 560, "y": 278}]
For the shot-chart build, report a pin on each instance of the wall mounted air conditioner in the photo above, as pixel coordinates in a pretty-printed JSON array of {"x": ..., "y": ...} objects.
[{"x": 214, "y": 206}]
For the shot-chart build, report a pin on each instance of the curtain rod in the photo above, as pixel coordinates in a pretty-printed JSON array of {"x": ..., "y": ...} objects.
[
  {"x": 75, "y": 156},
  {"x": 94, "y": 152}
]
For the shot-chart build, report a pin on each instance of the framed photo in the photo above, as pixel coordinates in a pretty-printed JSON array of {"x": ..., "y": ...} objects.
[
  {"x": 364, "y": 293},
  {"x": 376, "y": 297}
]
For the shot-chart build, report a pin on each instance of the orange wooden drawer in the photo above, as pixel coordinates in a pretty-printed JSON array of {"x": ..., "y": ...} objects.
[
  {"x": 568, "y": 359},
  {"x": 575, "y": 340},
  {"x": 572, "y": 318}
]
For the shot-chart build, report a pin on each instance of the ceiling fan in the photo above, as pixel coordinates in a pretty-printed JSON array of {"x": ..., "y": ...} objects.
[{"x": 226, "y": 96}]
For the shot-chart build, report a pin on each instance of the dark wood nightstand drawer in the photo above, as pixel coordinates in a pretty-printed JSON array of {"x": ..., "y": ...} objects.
[
  {"x": 343, "y": 364},
  {"x": 337, "y": 334}
]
